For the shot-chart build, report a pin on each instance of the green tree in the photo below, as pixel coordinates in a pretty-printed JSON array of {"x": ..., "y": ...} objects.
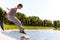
[
  {"x": 1, "y": 14},
  {"x": 4, "y": 18},
  {"x": 56, "y": 23},
  {"x": 47, "y": 23},
  {"x": 33, "y": 21}
]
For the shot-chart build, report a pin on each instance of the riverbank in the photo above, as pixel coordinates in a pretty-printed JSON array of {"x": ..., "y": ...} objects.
[
  {"x": 12, "y": 27},
  {"x": 7, "y": 27}
]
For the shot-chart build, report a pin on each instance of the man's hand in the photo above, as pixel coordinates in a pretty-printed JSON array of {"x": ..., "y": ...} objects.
[{"x": 8, "y": 8}]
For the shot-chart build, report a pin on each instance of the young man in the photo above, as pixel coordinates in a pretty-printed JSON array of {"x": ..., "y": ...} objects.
[
  {"x": 13, "y": 19},
  {"x": 1, "y": 20}
]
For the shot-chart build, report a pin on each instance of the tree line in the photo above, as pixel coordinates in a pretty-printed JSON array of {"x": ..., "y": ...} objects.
[{"x": 29, "y": 21}]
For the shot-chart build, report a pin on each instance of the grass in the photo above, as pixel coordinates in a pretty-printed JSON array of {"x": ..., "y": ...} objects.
[{"x": 7, "y": 27}]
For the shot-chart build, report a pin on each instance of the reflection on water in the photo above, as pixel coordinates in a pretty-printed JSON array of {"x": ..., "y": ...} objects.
[{"x": 35, "y": 34}]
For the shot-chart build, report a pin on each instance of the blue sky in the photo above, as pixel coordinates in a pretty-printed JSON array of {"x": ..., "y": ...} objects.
[{"x": 45, "y": 9}]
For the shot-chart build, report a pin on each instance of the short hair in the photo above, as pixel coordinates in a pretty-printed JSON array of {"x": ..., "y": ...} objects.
[{"x": 20, "y": 5}]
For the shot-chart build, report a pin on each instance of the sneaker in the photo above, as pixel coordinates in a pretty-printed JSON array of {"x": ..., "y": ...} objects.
[
  {"x": 2, "y": 27},
  {"x": 22, "y": 32}
]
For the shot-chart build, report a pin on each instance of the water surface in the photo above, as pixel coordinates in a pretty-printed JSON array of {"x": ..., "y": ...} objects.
[{"x": 35, "y": 34}]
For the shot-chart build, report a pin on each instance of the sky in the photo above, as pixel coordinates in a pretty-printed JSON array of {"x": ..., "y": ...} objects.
[{"x": 44, "y": 9}]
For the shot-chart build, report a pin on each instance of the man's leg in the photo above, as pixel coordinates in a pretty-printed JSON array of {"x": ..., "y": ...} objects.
[
  {"x": 17, "y": 22},
  {"x": 1, "y": 24}
]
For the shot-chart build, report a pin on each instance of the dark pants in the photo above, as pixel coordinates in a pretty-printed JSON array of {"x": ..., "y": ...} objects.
[{"x": 1, "y": 24}]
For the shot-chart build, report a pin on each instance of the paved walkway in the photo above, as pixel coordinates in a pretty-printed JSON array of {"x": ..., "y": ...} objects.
[{"x": 4, "y": 37}]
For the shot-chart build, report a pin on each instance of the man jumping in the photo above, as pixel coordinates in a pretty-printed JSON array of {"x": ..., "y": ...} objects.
[
  {"x": 13, "y": 19},
  {"x": 1, "y": 20}
]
